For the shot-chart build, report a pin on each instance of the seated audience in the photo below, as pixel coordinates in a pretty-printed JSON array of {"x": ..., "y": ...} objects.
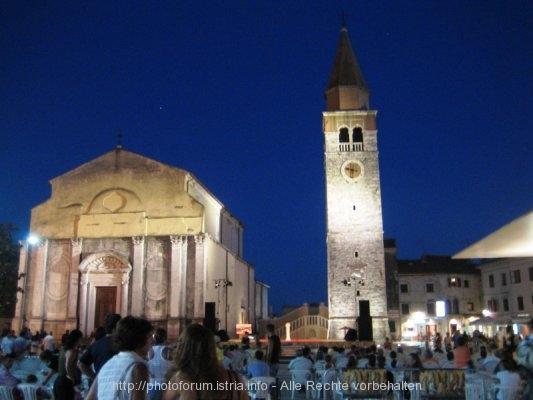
[
  {"x": 258, "y": 367},
  {"x": 340, "y": 358}
]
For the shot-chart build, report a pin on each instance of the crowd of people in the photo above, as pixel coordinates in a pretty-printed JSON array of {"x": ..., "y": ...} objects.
[
  {"x": 130, "y": 359},
  {"x": 511, "y": 363}
]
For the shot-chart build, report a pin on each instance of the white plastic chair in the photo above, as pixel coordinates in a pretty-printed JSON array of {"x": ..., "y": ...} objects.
[
  {"x": 6, "y": 393},
  {"x": 299, "y": 377},
  {"x": 325, "y": 377},
  {"x": 261, "y": 387},
  {"x": 29, "y": 391}
]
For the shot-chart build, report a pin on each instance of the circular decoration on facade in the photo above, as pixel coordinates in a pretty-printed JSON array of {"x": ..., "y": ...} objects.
[
  {"x": 114, "y": 202},
  {"x": 352, "y": 170}
]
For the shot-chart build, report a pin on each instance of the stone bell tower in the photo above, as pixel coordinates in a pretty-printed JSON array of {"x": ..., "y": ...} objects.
[{"x": 356, "y": 266}]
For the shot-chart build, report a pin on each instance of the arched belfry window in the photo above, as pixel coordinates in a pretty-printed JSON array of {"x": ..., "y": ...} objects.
[
  {"x": 358, "y": 135},
  {"x": 344, "y": 136}
]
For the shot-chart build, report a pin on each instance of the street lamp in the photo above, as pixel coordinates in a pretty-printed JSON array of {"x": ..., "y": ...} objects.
[{"x": 33, "y": 239}]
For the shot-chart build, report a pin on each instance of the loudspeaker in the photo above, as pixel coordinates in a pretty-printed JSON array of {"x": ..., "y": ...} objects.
[
  {"x": 351, "y": 335},
  {"x": 364, "y": 322}
]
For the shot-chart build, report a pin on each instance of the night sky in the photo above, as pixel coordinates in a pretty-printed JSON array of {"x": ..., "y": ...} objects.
[{"x": 233, "y": 92}]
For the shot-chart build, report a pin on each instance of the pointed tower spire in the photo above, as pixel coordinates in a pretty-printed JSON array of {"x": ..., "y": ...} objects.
[{"x": 347, "y": 89}]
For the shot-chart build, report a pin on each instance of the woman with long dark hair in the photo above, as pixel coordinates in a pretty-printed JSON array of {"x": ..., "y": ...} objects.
[
  {"x": 197, "y": 374},
  {"x": 69, "y": 374}
]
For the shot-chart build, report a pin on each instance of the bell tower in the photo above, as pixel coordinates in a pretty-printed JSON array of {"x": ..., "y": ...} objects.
[{"x": 356, "y": 266}]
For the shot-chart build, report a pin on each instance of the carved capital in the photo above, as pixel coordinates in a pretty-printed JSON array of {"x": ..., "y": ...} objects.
[
  {"x": 76, "y": 244},
  {"x": 199, "y": 239},
  {"x": 137, "y": 240},
  {"x": 175, "y": 239},
  {"x": 84, "y": 280},
  {"x": 125, "y": 279}
]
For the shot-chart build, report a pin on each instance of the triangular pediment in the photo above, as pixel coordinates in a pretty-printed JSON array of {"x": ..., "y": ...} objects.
[{"x": 116, "y": 160}]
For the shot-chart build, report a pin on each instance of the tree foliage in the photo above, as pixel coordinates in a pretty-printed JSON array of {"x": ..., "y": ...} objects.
[{"x": 9, "y": 254}]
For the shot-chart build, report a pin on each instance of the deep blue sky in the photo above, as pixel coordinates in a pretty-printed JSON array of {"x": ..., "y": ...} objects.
[{"x": 233, "y": 91}]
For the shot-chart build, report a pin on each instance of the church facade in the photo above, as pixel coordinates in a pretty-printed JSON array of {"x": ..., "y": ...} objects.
[
  {"x": 355, "y": 252},
  {"x": 127, "y": 234}
]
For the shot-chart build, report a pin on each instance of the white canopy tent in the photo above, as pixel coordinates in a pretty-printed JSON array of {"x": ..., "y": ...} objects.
[{"x": 512, "y": 240}]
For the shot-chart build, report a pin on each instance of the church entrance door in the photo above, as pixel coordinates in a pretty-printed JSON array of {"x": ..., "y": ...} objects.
[{"x": 105, "y": 303}]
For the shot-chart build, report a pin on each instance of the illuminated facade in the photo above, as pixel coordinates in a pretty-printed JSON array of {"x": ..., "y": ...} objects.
[
  {"x": 127, "y": 234},
  {"x": 354, "y": 219}
]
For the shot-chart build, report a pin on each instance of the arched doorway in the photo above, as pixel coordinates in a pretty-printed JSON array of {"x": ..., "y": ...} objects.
[{"x": 104, "y": 283}]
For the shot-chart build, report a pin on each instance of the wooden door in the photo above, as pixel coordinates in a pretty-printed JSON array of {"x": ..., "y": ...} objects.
[{"x": 105, "y": 303}]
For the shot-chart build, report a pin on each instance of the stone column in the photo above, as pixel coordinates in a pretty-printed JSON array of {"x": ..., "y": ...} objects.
[
  {"x": 137, "y": 286},
  {"x": 74, "y": 273},
  {"x": 178, "y": 276},
  {"x": 37, "y": 306},
  {"x": 199, "y": 278},
  {"x": 183, "y": 280},
  {"x": 125, "y": 282},
  {"x": 177, "y": 285},
  {"x": 84, "y": 286},
  {"x": 20, "y": 309}
]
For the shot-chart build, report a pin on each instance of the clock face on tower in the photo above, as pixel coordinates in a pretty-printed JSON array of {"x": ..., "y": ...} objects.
[{"x": 352, "y": 170}]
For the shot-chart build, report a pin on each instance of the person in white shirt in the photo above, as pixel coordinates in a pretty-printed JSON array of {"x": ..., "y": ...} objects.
[
  {"x": 510, "y": 383},
  {"x": 487, "y": 361},
  {"x": 301, "y": 366},
  {"x": 401, "y": 357},
  {"x": 49, "y": 343},
  {"x": 341, "y": 361},
  {"x": 8, "y": 343}
]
